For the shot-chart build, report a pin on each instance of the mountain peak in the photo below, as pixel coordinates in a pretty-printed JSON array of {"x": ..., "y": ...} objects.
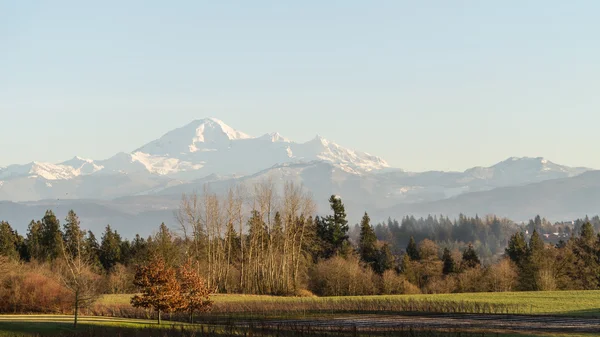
[
  {"x": 275, "y": 137},
  {"x": 525, "y": 161},
  {"x": 199, "y": 135},
  {"x": 207, "y": 125},
  {"x": 320, "y": 140}
]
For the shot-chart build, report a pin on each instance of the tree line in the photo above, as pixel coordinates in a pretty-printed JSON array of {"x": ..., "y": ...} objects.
[{"x": 268, "y": 241}]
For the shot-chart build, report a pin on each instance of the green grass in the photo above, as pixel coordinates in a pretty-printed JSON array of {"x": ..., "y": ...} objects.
[
  {"x": 577, "y": 303},
  {"x": 10, "y": 325},
  {"x": 49, "y": 327}
]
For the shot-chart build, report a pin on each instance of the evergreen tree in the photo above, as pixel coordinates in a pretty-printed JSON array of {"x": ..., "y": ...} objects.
[
  {"x": 470, "y": 258},
  {"x": 587, "y": 232},
  {"x": 91, "y": 249},
  {"x": 384, "y": 259},
  {"x": 140, "y": 251},
  {"x": 337, "y": 224},
  {"x": 22, "y": 247},
  {"x": 537, "y": 222},
  {"x": 234, "y": 244},
  {"x": 332, "y": 231},
  {"x": 587, "y": 254},
  {"x": 164, "y": 245},
  {"x": 517, "y": 248},
  {"x": 367, "y": 242},
  {"x": 33, "y": 242},
  {"x": 72, "y": 233},
  {"x": 323, "y": 241},
  {"x": 449, "y": 263},
  {"x": 110, "y": 249},
  {"x": 412, "y": 250},
  {"x": 531, "y": 265},
  {"x": 51, "y": 236},
  {"x": 8, "y": 241},
  {"x": 536, "y": 244},
  {"x": 126, "y": 252}
]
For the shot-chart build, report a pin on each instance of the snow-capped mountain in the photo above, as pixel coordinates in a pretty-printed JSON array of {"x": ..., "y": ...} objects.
[
  {"x": 46, "y": 171},
  {"x": 209, "y": 146},
  {"x": 204, "y": 147},
  {"x": 208, "y": 151},
  {"x": 202, "y": 135},
  {"x": 523, "y": 170},
  {"x": 195, "y": 151},
  {"x": 136, "y": 188}
]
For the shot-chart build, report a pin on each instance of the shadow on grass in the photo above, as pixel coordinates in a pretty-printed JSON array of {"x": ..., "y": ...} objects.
[
  {"x": 117, "y": 328},
  {"x": 589, "y": 313},
  {"x": 34, "y": 328}
]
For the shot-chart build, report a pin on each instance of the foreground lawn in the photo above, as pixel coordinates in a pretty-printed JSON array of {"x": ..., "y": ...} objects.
[
  {"x": 42, "y": 325},
  {"x": 59, "y": 325},
  {"x": 576, "y": 303},
  {"x": 34, "y": 326}
]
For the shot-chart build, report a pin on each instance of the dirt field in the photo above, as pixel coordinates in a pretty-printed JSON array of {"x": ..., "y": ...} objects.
[{"x": 520, "y": 323}]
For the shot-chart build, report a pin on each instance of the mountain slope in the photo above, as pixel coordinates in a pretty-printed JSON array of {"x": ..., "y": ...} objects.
[
  {"x": 208, "y": 151},
  {"x": 557, "y": 199},
  {"x": 204, "y": 147}
]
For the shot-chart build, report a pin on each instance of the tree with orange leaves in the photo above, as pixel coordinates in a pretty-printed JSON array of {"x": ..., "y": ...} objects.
[
  {"x": 194, "y": 291},
  {"x": 159, "y": 287}
]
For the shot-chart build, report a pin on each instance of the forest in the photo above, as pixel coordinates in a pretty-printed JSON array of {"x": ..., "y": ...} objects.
[{"x": 269, "y": 242}]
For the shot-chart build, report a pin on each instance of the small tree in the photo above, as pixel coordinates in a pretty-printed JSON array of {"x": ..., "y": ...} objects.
[
  {"x": 8, "y": 241},
  {"x": 412, "y": 251},
  {"x": 517, "y": 248},
  {"x": 76, "y": 272},
  {"x": 159, "y": 288},
  {"x": 470, "y": 258},
  {"x": 194, "y": 291},
  {"x": 110, "y": 248},
  {"x": 449, "y": 263},
  {"x": 367, "y": 244},
  {"x": 51, "y": 237}
]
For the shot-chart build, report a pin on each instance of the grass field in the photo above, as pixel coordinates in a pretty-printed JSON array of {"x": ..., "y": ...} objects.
[
  {"x": 576, "y": 303},
  {"x": 569, "y": 303},
  {"x": 11, "y": 325},
  {"x": 57, "y": 325}
]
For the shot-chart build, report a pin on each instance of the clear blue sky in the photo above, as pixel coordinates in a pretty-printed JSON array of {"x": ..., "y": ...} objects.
[{"x": 423, "y": 84}]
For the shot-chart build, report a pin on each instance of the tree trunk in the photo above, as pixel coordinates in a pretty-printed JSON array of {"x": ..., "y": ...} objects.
[
  {"x": 76, "y": 309},
  {"x": 159, "y": 312},
  {"x": 191, "y": 317}
]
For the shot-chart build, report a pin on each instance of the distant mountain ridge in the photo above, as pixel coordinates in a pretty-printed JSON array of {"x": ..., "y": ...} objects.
[{"x": 208, "y": 151}]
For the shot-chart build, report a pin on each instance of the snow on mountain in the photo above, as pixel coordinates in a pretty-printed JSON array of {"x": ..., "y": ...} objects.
[
  {"x": 200, "y": 135},
  {"x": 36, "y": 169},
  {"x": 196, "y": 153},
  {"x": 351, "y": 161},
  {"x": 82, "y": 166},
  {"x": 209, "y": 146},
  {"x": 516, "y": 170},
  {"x": 275, "y": 137}
]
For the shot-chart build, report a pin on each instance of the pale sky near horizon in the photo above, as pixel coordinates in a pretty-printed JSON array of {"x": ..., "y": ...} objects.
[{"x": 426, "y": 85}]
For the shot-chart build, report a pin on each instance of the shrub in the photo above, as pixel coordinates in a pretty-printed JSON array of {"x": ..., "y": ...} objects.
[
  {"x": 440, "y": 285},
  {"x": 29, "y": 291},
  {"x": 502, "y": 276},
  {"x": 120, "y": 280},
  {"x": 391, "y": 283},
  {"x": 470, "y": 281},
  {"x": 304, "y": 293},
  {"x": 342, "y": 277}
]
